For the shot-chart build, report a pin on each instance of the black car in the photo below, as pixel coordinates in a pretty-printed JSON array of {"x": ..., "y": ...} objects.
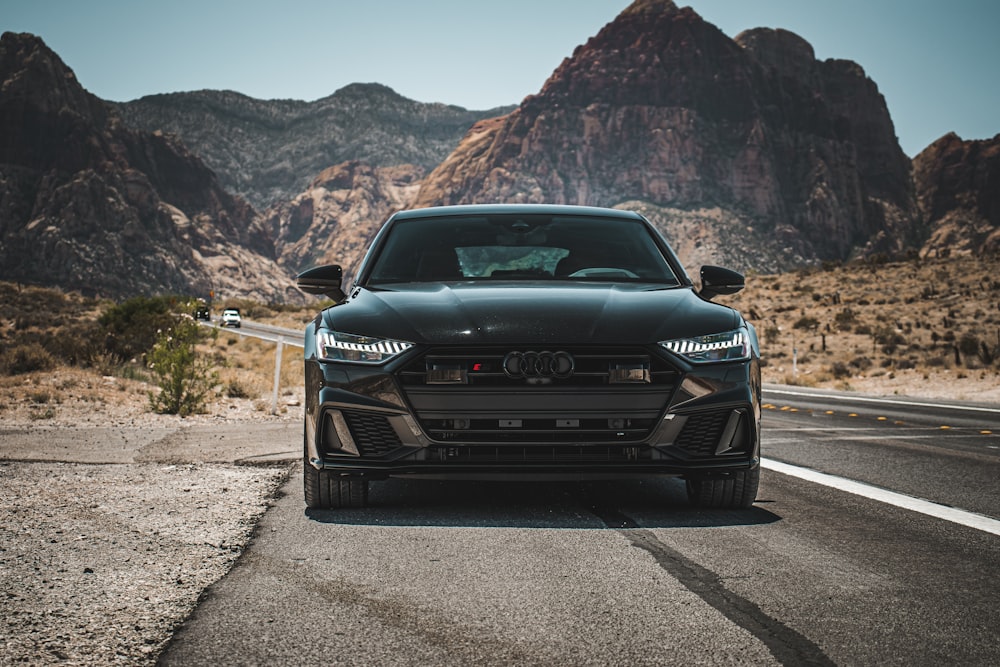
[{"x": 528, "y": 342}]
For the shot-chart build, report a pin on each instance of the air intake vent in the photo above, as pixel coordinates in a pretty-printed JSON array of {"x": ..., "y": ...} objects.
[
  {"x": 702, "y": 432},
  {"x": 372, "y": 433}
]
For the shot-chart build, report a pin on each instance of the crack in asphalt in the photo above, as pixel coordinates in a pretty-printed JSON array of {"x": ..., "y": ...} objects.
[{"x": 787, "y": 645}]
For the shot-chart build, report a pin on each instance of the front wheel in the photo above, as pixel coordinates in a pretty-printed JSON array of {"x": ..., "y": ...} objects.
[
  {"x": 736, "y": 491},
  {"x": 325, "y": 491}
]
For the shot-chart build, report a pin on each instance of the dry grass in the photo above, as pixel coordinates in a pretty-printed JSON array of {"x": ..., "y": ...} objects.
[
  {"x": 921, "y": 327},
  {"x": 246, "y": 368},
  {"x": 47, "y": 389}
]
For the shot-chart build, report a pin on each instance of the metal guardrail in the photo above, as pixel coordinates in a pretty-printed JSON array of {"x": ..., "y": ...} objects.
[{"x": 278, "y": 335}]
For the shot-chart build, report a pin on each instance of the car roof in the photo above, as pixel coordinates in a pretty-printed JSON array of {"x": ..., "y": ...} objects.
[{"x": 515, "y": 209}]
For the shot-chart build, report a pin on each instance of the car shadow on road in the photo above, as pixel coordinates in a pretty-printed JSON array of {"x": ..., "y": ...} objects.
[{"x": 569, "y": 505}]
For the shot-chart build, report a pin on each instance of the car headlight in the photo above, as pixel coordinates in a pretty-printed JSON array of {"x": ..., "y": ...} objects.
[
  {"x": 728, "y": 346},
  {"x": 338, "y": 346}
]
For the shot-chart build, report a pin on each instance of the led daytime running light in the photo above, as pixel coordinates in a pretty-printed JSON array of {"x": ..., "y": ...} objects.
[
  {"x": 728, "y": 346},
  {"x": 336, "y": 346},
  {"x": 381, "y": 347}
]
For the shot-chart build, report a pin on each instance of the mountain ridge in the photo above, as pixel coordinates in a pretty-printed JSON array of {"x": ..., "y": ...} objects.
[{"x": 268, "y": 151}]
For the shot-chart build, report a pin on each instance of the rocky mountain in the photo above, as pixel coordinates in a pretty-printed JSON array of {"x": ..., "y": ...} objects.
[
  {"x": 268, "y": 151},
  {"x": 335, "y": 218},
  {"x": 958, "y": 189},
  {"x": 746, "y": 151},
  {"x": 87, "y": 203},
  {"x": 765, "y": 155}
]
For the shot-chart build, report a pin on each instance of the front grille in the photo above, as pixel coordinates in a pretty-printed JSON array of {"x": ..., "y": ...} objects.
[
  {"x": 484, "y": 404},
  {"x": 539, "y": 454},
  {"x": 702, "y": 432},
  {"x": 372, "y": 433},
  {"x": 484, "y": 367}
]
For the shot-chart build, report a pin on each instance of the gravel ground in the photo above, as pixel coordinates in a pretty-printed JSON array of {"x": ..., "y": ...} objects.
[
  {"x": 114, "y": 520},
  {"x": 100, "y": 563}
]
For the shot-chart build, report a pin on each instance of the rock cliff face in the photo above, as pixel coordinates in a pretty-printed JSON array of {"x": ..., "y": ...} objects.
[
  {"x": 335, "y": 218},
  {"x": 958, "y": 186},
  {"x": 799, "y": 156},
  {"x": 269, "y": 150},
  {"x": 88, "y": 204}
]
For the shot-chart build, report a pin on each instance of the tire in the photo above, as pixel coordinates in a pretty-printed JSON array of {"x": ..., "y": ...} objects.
[
  {"x": 737, "y": 491},
  {"x": 325, "y": 491}
]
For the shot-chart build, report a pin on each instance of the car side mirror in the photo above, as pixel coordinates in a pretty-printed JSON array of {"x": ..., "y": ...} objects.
[
  {"x": 716, "y": 280},
  {"x": 323, "y": 280}
]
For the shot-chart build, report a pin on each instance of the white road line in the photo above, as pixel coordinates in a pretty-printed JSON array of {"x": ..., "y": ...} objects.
[
  {"x": 855, "y": 436},
  {"x": 962, "y": 517},
  {"x": 882, "y": 401},
  {"x": 909, "y": 430}
]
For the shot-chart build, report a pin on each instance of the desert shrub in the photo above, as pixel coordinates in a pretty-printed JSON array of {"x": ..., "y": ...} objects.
[
  {"x": 968, "y": 344},
  {"x": 987, "y": 354},
  {"x": 26, "y": 358},
  {"x": 888, "y": 339},
  {"x": 840, "y": 370},
  {"x": 48, "y": 413},
  {"x": 861, "y": 363},
  {"x": 806, "y": 322},
  {"x": 105, "y": 363},
  {"x": 936, "y": 362},
  {"x": 131, "y": 328},
  {"x": 74, "y": 344},
  {"x": 845, "y": 317},
  {"x": 236, "y": 388},
  {"x": 772, "y": 334},
  {"x": 972, "y": 350},
  {"x": 184, "y": 378}
]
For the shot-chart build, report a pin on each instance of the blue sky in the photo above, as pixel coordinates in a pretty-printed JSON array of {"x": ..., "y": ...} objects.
[{"x": 937, "y": 63}]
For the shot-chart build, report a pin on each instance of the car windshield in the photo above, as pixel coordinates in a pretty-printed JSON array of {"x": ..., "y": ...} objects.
[{"x": 520, "y": 247}]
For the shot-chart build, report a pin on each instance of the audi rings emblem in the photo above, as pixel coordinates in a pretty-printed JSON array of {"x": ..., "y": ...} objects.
[{"x": 538, "y": 365}]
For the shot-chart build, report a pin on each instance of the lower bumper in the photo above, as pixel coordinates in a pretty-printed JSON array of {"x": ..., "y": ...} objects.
[
  {"x": 533, "y": 472},
  {"x": 378, "y": 445},
  {"x": 365, "y": 427}
]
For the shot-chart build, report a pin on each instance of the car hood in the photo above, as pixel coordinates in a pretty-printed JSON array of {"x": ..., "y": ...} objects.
[{"x": 561, "y": 313}]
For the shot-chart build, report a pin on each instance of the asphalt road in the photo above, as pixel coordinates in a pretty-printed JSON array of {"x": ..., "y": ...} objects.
[
  {"x": 262, "y": 331},
  {"x": 627, "y": 573}
]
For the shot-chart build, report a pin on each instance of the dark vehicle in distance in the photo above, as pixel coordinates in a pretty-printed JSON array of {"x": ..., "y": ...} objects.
[
  {"x": 201, "y": 311},
  {"x": 528, "y": 342}
]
